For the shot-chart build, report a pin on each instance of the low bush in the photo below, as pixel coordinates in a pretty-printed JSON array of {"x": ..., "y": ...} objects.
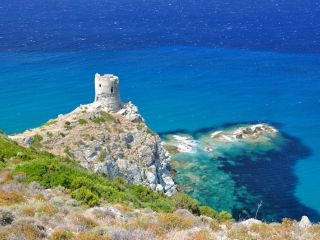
[
  {"x": 26, "y": 230},
  {"x": 86, "y": 196},
  {"x": 3, "y": 165},
  {"x": 36, "y": 142},
  {"x": 50, "y": 134},
  {"x": 222, "y": 216},
  {"x": 183, "y": 201},
  {"x": 201, "y": 235},
  {"x": 49, "y": 123},
  {"x": 88, "y": 187},
  {"x": 67, "y": 125},
  {"x": 10, "y": 198},
  {"x": 40, "y": 207},
  {"x": 170, "y": 221},
  {"x": 85, "y": 222},
  {"x": 208, "y": 211},
  {"x": 10, "y": 150},
  {"x": 82, "y": 121},
  {"x": 104, "y": 117},
  {"x": 61, "y": 235},
  {"x": 107, "y": 116}
]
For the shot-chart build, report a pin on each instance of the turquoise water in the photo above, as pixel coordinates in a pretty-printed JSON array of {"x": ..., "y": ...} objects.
[{"x": 191, "y": 89}]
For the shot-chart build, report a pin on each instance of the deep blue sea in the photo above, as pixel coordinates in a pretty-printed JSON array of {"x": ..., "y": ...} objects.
[{"x": 189, "y": 66}]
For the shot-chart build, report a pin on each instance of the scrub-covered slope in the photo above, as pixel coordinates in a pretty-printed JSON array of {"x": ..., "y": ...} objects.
[{"x": 117, "y": 144}]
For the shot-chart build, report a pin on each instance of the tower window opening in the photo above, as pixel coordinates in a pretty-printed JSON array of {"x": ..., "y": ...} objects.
[
  {"x": 111, "y": 89},
  {"x": 99, "y": 85}
]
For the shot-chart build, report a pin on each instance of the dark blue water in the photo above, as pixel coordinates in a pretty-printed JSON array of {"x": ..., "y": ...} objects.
[
  {"x": 64, "y": 25},
  {"x": 187, "y": 65}
]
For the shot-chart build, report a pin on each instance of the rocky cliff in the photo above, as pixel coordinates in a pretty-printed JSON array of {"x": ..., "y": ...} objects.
[{"x": 117, "y": 144}]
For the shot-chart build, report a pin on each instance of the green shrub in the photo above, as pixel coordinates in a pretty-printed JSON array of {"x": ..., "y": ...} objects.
[
  {"x": 104, "y": 117},
  {"x": 107, "y": 116},
  {"x": 161, "y": 205},
  {"x": 220, "y": 216},
  {"x": 140, "y": 126},
  {"x": 50, "y": 134},
  {"x": 67, "y": 125},
  {"x": 2, "y": 165},
  {"x": 224, "y": 216},
  {"x": 51, "y": 122},
  {"x": 88, "y": 187},
  {"x": 68, "y": 152},
  {"x": 86, "y": 196},
  {"x": 36, "y": 143},
  {"x": 9, "y": 150},
  {"x": 208, "y": 211},
  {"x": 102, "y": 155},
  {"x": 82, "y": 121},
  {"x": 182, "y": 200},
  {"x": 98, "y": 120},
  {"x": 151, "y": 132}
]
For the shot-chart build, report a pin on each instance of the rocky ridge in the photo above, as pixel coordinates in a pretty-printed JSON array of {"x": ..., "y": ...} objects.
[{"x": 118, "y": 144}]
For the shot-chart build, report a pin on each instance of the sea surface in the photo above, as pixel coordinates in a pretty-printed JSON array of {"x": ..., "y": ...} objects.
[{"x": 192, "y": 68}]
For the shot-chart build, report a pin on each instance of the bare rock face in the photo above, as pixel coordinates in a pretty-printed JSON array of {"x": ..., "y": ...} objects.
[
  {"x": 117, "y": 144},
  {"x": 304, "y": 223}
]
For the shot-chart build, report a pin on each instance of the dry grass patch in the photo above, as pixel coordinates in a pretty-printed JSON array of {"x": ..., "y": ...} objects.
[
  {"x": 15, "y": 161},
  {"x": 10, "y": 198},
  {"x": 315, "y": 229},
  {"x": 201, "y": 235},
  {"x": 123, "y": 208},
  {"x": 170, "y": 221},
  {"x": 240, "y": 233},
  {"x": 21, "y": 231},
  {"x": 91, "y": 236},
  {"x": 284, "y": 231},
  {"x": 61, "y": 235},
  {"x": 40, "y": 207},
  {"x": 142, "y": 222},
  {"x": 85, "y": 222},
  {"x": 6, "y": 176}
]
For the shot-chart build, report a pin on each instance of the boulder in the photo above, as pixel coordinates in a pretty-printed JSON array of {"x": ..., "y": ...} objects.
[
  {"x": 304, "y": 223},
  {"x": 6, "y": 217}
]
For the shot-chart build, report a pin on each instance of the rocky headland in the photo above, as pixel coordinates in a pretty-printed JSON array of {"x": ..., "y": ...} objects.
[{"x": 113, "y": 144}]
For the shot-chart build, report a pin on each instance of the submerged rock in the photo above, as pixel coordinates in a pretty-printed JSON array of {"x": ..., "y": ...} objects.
[{"x": 251, "y": 132}]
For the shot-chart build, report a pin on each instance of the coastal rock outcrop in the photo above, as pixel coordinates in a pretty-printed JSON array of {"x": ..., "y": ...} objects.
[
  {"x": 109, "y": 137},
  {"x": 117, "y": 144}
]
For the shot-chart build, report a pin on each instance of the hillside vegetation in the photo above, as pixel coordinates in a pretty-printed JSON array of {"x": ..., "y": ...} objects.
[{"x": 43, "y": 196}]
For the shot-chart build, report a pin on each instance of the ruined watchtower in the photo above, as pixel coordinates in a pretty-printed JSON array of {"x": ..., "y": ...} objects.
[{"x": 107, "y": 91}]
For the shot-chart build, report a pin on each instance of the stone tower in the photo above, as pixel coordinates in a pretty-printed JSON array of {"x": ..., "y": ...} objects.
[{"x": 107, "y": 91}]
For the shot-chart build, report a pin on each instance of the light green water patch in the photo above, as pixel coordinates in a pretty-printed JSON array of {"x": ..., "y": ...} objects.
[{"x": 200, "y": 159}]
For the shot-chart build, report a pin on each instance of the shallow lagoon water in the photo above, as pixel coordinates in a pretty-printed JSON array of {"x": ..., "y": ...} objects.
[{"x": 193, "y": 89}]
